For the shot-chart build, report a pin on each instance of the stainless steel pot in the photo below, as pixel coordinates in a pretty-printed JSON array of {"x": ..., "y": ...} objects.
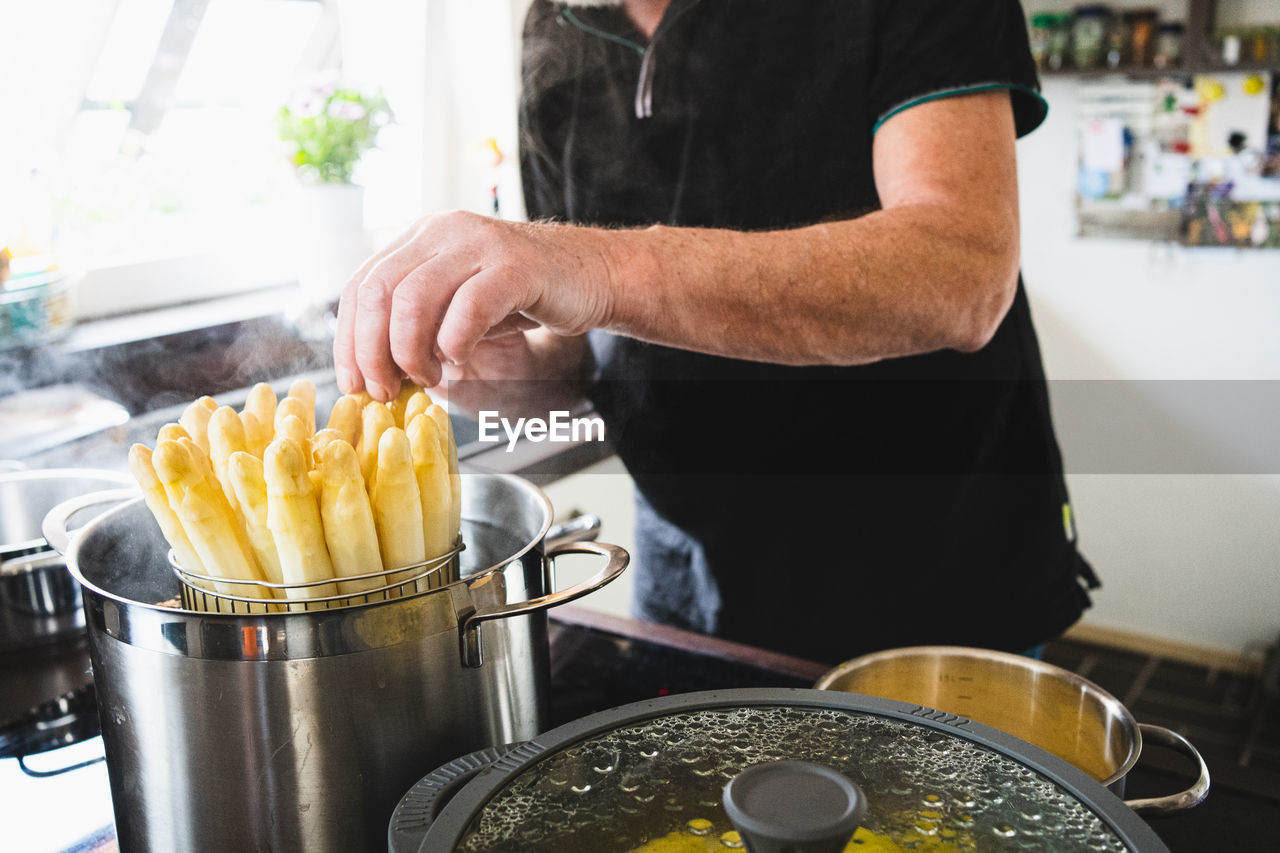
[
  {"x": 299, "y": 731},
  {"x": 1051, "y": 707},
  {"x": 38, "y": 598}
]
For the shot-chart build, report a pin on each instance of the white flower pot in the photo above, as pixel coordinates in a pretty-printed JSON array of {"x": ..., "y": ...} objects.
[{"x": 328, "y": 240}]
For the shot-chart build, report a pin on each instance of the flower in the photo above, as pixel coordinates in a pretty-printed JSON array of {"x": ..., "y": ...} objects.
[
  {"x": 329, "y": 128},
  {"x": 306, "y": 106},
  {"x": 345, "y": 109}
]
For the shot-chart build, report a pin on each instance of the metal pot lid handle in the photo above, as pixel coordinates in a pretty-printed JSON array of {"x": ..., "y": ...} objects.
[
  {"x": 1174, "y": 803},
  {"x": 55, "y": 525},
  {"x": 616, "y": 559}
]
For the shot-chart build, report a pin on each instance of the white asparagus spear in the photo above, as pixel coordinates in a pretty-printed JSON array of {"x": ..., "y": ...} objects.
[
  {"x": 432, "y": 471},
  {"x": 293, "y": 406},
  {"x": 397, "y": 406},
  {"x": 195, "y": 420},
  {"x": 418, "y": 404},
  {"x": 259, "y": 417},
  {"x": 140, "y": 465},
  {"x": 397, "y": 503},
  {"x": 322, "y": 439},
  {"x": 345, "y": 418},
  {"x": 257, "y": 434},
  {"x": 441, "y": 417},
  {"x": 245, "y": 471},
  {"x": 202, "y": 508},
  {"x": 226, "y": 436},
  {"x": 261, "y": 403},
  {"x": 349, "y": 528},
  {"x": 292, "y": 427},
  {"x": 293, "y": 516},
  {"x": 172, "y": 432},
  {"x": 305, "y": 390},
  {"x": 375, "y": 419}
]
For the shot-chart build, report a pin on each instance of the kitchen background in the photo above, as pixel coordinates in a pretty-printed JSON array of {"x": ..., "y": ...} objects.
[{"x": 140, "y": 155}]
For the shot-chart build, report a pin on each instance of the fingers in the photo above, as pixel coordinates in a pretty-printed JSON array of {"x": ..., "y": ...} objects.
[
  {"x": 375, "y": 298},
  {"x": 369, "y": 325},
  {"x": 344, "y": 343},
  {"x": 512, "y": 325},
  {"x": 419, "y": 303},
  {"x": 344, "y": 352},
  {"x": 455, "y": 281},
  {"x": 483, "y": 302}
]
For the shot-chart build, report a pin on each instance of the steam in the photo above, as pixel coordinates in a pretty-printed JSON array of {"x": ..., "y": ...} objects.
[{"x": 170, "y": 370}]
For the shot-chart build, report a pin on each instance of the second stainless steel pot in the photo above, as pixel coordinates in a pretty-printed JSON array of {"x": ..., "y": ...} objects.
[
  {"x": 1043, "y": 704},
  {"x": 300, "y": 731},
  {"x": 39, "y": 600}
]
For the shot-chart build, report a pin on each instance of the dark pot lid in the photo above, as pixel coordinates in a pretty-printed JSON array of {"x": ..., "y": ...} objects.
[{"x": 653, "y": 773}]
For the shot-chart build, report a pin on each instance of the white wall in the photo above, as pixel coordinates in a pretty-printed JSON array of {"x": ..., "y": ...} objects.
[
  {"x": 450, "y": 69},
  {"x": 1188, "y": 557},
  {"x": 605, "y": 489}
]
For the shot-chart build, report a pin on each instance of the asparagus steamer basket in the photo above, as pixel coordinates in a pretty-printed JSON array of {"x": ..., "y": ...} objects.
[
  {"x": 290, "y": 731},
  {"x": 201, "y": 592}
]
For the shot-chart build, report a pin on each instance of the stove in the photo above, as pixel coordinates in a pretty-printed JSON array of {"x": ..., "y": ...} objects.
[{"x": 597, "y": 662}]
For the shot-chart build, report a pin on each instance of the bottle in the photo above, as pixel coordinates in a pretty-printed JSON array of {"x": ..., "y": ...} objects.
[{"x": 1088, "y": 35}]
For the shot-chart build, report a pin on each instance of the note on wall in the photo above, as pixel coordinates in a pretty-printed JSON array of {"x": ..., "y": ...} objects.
[{"x": 1102, "y": 145}]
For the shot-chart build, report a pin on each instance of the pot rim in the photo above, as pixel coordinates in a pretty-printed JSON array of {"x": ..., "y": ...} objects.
[
  {"x": 78, "y": 538},
  {"x": 39, "y": 543},
  {"x": 1113, "y": 705}
]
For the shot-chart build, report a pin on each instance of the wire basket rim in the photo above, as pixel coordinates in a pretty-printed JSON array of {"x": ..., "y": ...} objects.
[{"x": 429, "y": 567}]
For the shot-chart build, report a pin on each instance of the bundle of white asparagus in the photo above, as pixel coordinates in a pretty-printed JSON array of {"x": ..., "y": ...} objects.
[{"x": 260, "y": 495}]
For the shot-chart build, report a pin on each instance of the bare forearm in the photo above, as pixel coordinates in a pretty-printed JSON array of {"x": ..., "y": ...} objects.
[
  {"x": 935, "y": 269},
  {"x": 908, "y": 280}
]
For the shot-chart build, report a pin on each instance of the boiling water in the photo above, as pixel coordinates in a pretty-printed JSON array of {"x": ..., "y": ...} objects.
[{"x": 656, "y": 787}]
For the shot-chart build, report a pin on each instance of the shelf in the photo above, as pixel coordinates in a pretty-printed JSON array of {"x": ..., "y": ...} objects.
[{"x": 1157, "y": 73}]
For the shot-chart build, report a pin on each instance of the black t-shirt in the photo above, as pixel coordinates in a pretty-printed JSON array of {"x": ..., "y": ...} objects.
[{"x": 821, "y": 511}]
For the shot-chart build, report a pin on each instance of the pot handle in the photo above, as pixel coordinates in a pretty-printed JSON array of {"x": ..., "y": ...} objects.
[
  {"x": 1191, "y": 797},
  {"x": 577, "y": 529},
  {"x": 54, "y": 526},
  {"x": 616, "y": 559}
]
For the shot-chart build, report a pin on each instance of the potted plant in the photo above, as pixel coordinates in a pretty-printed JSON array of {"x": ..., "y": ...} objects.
[{"x": 327, "y": 129}]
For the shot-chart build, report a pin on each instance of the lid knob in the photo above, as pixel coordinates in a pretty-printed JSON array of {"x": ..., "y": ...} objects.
[{"x": 793, "y": 807}]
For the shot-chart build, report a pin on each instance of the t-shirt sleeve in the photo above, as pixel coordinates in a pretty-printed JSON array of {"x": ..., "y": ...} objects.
[{"x": 930, "y": 49}]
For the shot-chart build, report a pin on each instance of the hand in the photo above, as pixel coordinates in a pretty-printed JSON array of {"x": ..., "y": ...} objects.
[
  {"x": 526, "y": 374},
  {"x": 455, "y": 280}
]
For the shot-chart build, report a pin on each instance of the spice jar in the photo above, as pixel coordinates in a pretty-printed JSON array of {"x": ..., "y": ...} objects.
[
  {"x": 1230, "y": 49},
  {"x": 1088, "y": 35},
  {"x": 1118, "y": 42},
  {"x": 1141, "y": 26},
  {"x": 1059, "y": 41},
  {"x": 1169, "y": 44},
  {"x": 1040, "y": 34}
]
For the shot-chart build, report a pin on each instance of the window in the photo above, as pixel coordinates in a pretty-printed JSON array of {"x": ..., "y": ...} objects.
[
  {"x": 140, "y": 142},
  {"x": 146, "y": 132}
]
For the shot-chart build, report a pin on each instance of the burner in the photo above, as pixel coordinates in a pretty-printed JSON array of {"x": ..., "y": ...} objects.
[
  {"x": 48, "y": 699},
  {"x": 71, "y": 718}
]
